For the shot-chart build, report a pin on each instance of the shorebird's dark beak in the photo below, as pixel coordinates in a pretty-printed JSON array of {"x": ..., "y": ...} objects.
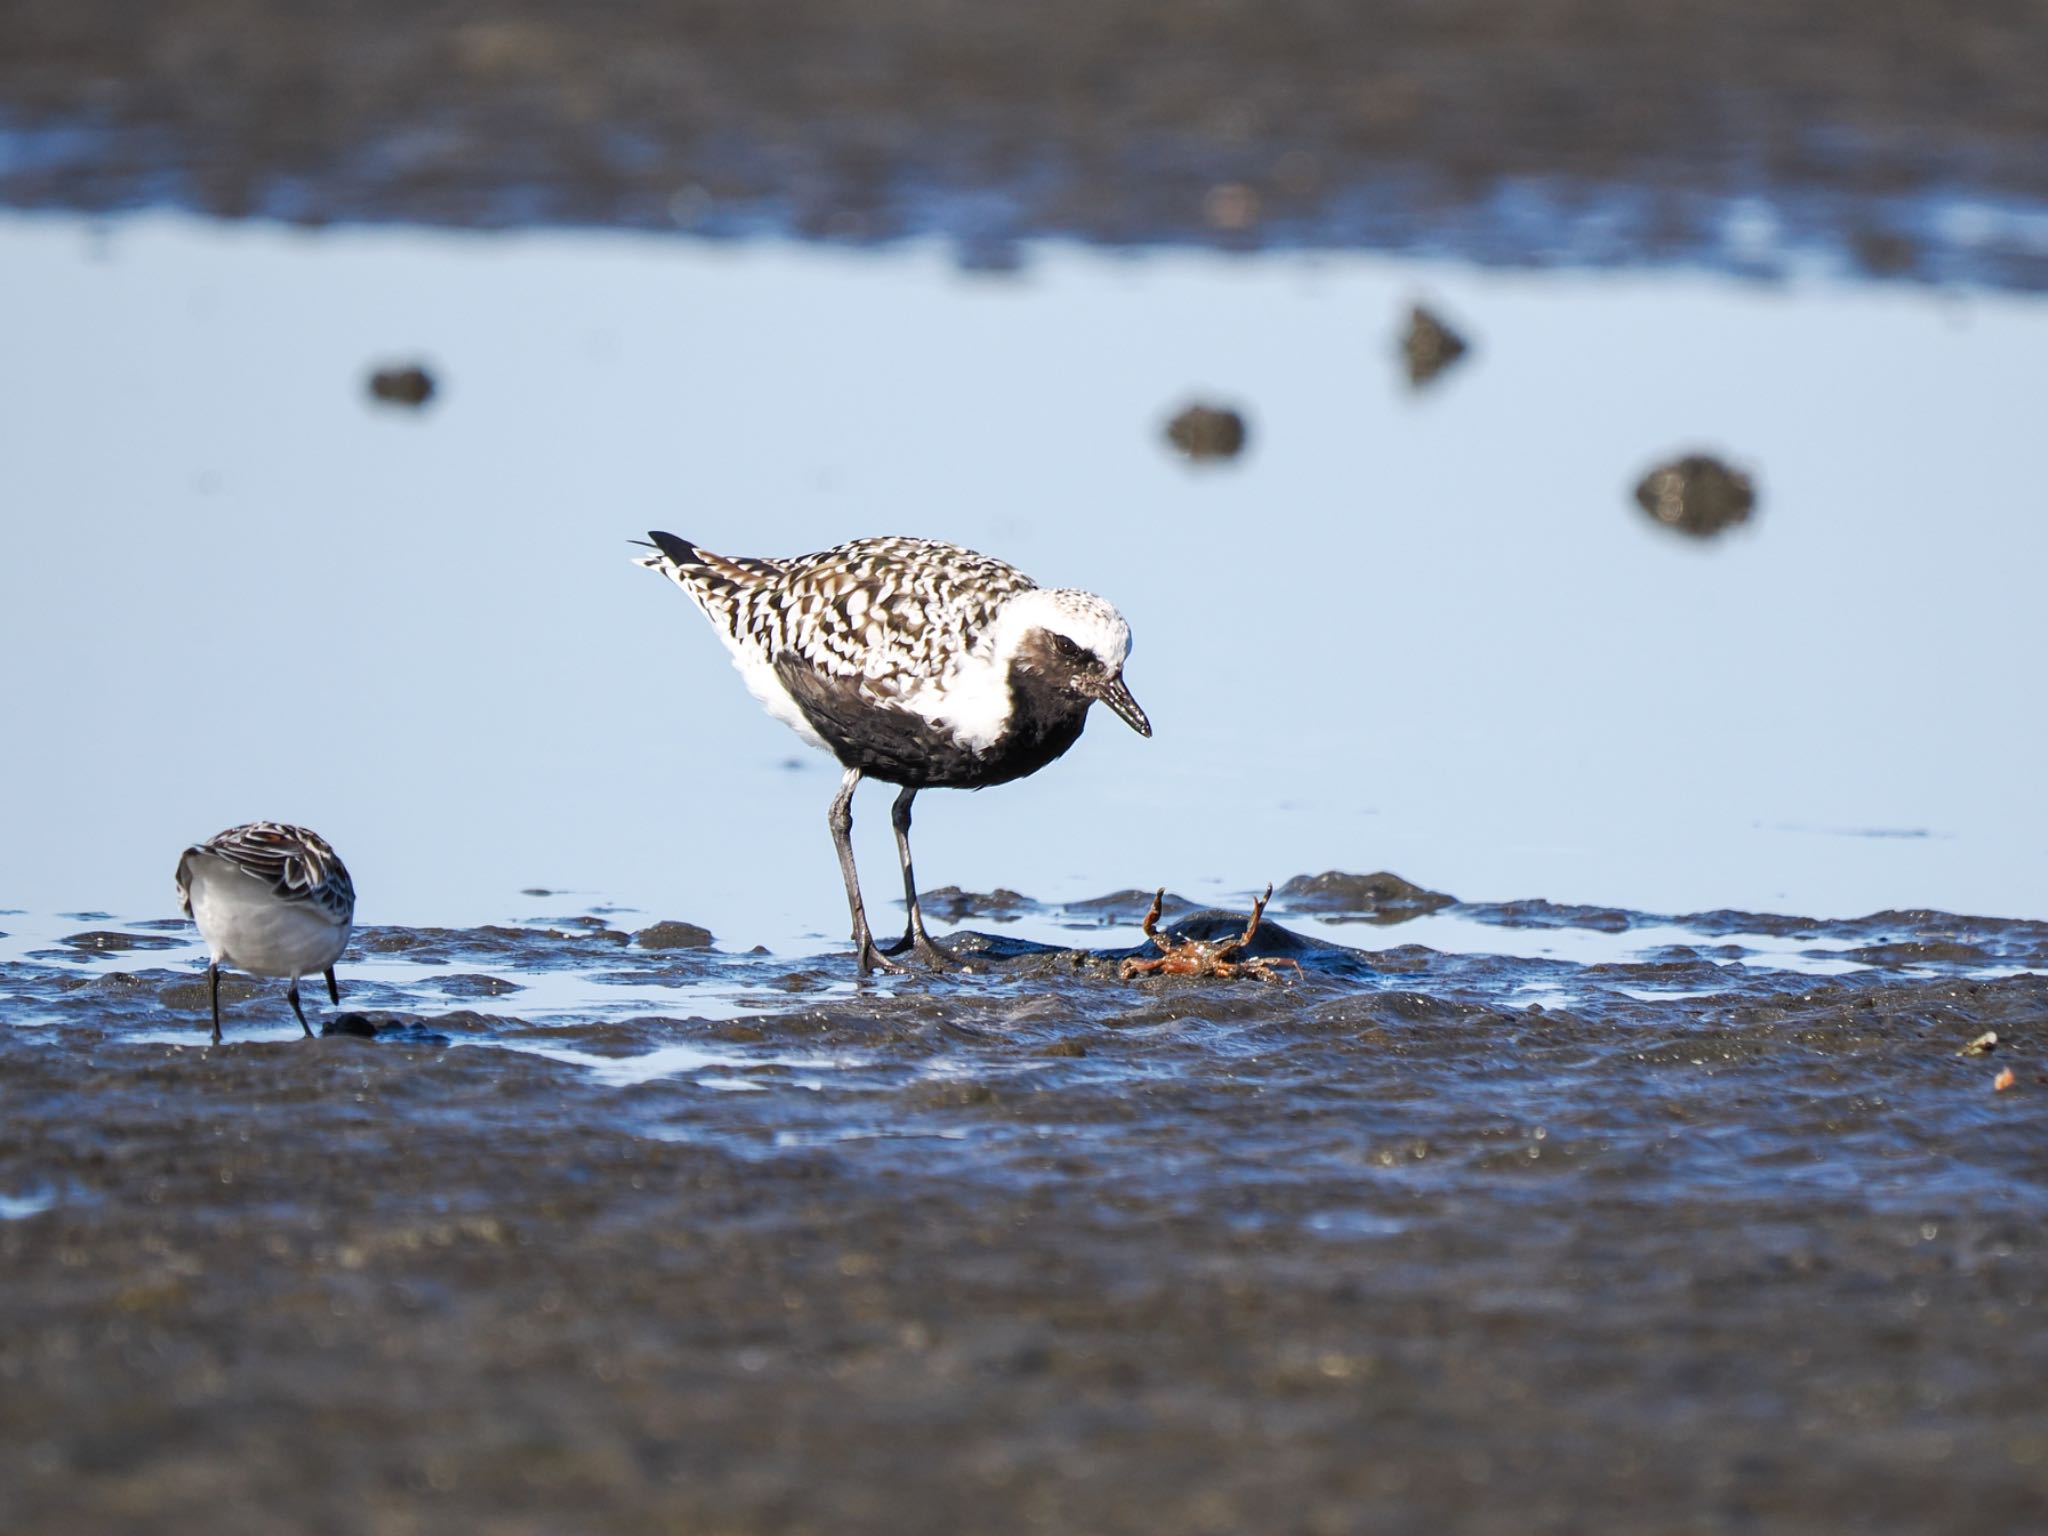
[{"x": 1118, "y": 698}]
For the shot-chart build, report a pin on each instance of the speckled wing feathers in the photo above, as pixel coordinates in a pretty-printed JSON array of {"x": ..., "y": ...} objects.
[
  {"x": 898, "y": 613},
  {"x": 297, "y": 865}
]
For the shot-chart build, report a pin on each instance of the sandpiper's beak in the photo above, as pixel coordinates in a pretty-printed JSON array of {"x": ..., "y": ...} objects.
[{"x": 1118, "y": 698}]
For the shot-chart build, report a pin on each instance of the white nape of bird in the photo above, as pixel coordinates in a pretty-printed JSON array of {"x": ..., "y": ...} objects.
[{"x": 270, "y": 899}]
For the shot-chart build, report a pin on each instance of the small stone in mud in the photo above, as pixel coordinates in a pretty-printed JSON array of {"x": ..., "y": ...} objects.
[
  {"x": 989, "y": 255},
  {"x": 469, "y": 984},
  {"x": 1207, "y": 432},
  {"x": 1429, "y": 346},
  {"x": 672, "y": 935},
  {"x": 1698, "y": 495},
  {"x": 1909, "y": 952},
  {"x": 410, "y": 385},
  {"x": 1983, "y": 1045},
  {"x": 1884, "y": 252},
  {"x": 2003, "y": 1081},
  {"x": 358, "y": 1026},
  {"x": 1381, "y": 897}
]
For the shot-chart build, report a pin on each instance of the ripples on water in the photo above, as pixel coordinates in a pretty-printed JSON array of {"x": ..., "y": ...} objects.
[
  {"x": 1663, "y": 1055},
  {"x": 1431, "y": 631}
]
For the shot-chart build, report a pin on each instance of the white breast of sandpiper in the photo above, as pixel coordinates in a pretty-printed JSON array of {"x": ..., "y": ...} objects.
[
  {"x": 270, "y": 897},
  {"x": 245, "y": 923}
]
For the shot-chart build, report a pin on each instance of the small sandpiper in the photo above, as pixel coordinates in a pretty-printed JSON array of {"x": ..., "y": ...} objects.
[
  {"x": 272, "y": 899},
  {"x": 918, "y": 663}
]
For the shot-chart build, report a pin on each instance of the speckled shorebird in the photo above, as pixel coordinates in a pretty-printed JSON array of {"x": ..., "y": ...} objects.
[
  {"x": 272, "y": 899},
  {"x": 914, "y": 662}
]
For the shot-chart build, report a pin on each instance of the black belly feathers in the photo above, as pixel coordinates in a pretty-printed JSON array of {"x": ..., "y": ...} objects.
[{"x": 899, "y": 746}]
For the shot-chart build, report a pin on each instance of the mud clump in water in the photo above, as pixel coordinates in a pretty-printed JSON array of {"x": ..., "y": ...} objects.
[
  {"x": 1125, "y": 906},
  {"x": 410, "y": 385},
  {"x": 470, "y": 984},
  {"x": 1697, "y": 495},
  {"x": 1884, "y": 252},
  {"x": 107, "y": 941},
  {"x": 954, "y": 905},
  {"x": 1381, "y": 897},
  {"x": 673, "y": 935},
  {"x": 1429, "y": 346},
  {"x": 1207, "y": 432}
]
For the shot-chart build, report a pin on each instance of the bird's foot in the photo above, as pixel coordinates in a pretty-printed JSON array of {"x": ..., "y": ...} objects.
[
  {"x": 872, "y": 959},
  {"x": 935, "y": 956}
]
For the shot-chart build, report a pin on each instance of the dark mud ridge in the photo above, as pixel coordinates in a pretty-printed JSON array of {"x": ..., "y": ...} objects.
[
  {"x": 559, "y": 1231},
  {"x": 1907, "y": 139}
]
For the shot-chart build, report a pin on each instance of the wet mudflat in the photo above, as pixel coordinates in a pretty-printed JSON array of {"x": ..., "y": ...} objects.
[
  {"x": 1903, "y": 138},
  {"x": 1504, "y": 1217}
]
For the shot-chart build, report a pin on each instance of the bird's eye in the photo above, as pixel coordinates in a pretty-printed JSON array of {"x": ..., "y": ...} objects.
[{"x": 1067, "y": 649}]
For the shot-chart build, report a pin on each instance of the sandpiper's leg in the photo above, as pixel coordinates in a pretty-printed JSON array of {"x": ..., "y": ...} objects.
[
  {"x": 840, "y": 819},
  {"x": 333, "y": 987},
  {"x": 914, "y": 936},
  {"x": 213, "y": 978},
  {"x": 292, "y": 996}
]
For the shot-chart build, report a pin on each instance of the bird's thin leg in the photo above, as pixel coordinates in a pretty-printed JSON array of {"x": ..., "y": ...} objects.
[
  {"x": 914, "y": 936},
  {"x": 899, "y": 818},
  {"x": 840, "y": 818},
  {"x": 213, "y": 977},
  {"x": 333, "y": 987},
  {"x": 292, "y": 996}
]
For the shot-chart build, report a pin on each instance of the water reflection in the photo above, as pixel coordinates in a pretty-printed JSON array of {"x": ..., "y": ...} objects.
[{"x": 1431, "y": 634}]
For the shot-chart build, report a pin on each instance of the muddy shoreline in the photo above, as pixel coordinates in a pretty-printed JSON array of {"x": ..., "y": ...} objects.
[
  {"x": 1900, "y": 139},
  {"x": 1695, "y": 1243},
  {"x": 1502, "y": 1216}
]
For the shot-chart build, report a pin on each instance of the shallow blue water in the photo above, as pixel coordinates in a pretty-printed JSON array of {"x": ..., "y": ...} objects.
[{"x": 1424, "y": 632}]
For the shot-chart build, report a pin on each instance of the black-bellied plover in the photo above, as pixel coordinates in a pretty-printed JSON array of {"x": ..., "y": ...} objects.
[
  {"x": 272, "y": 899},
  {"x": 914, "y": 662}
]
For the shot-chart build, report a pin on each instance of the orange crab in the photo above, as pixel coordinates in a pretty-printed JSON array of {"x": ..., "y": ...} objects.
[{"x": 1200, "y": 957}]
